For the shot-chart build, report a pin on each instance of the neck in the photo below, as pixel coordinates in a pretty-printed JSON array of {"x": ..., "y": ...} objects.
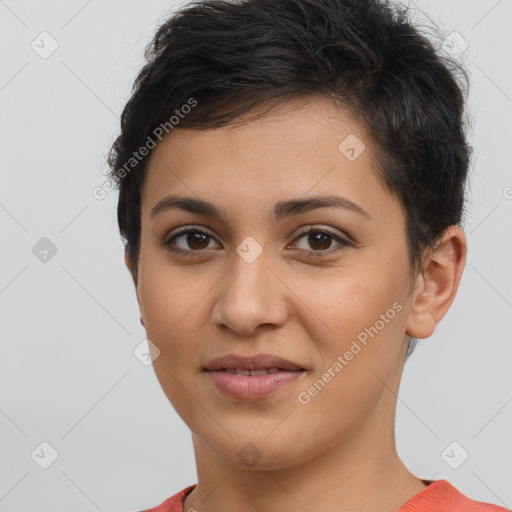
[{"x": 363, "y": 473}]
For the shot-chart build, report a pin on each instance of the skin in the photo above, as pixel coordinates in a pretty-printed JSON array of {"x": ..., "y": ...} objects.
[{"x": 336, "y": 453}]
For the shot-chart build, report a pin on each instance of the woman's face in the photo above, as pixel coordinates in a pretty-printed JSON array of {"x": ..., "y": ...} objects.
[{"x": 251, "y": 282}]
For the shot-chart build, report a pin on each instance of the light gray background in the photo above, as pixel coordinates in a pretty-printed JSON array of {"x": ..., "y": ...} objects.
[{"x": 69, "y": 325}]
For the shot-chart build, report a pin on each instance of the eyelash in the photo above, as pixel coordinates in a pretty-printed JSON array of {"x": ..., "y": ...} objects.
[{"x": 342, "y": 241}]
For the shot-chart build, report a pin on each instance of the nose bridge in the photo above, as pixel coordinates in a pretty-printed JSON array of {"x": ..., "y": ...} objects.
[{"x": 250, "y": 295}]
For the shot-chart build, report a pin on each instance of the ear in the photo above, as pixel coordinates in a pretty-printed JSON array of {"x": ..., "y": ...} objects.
[
  {"x": 128, "y": 263},
  {"x": 437, "y": 285},
  {"x": 133, "y": 272}
]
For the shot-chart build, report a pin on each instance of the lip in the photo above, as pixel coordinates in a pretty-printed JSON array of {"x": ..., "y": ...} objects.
[
  {"x": 255, "y": 362},
  {"x": 248, "y": 387}
]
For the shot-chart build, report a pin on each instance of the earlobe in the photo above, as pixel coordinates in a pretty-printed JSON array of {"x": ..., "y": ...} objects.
[
  {"x": 128, "y": 263},
  {"x": 438, "y": 283}
]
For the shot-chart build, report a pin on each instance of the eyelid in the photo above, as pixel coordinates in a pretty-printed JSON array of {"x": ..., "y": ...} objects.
[
  {"x": 168, "y": 240},
  {"x": 343, "y": 240},
  {"x": 186, "y": 229},
  {"x": 318, "y": 227}
]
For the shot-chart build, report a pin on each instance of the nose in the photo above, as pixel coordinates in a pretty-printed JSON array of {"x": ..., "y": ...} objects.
[{"x": 251, "y": 295}]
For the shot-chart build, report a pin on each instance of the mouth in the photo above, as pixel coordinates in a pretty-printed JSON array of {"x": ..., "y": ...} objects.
[
  {"x": 253, "y": 384},
  {"x": 253, "y": 377},
  {"x": 252, "y": 372},
  {"x": 267, "y": 363}
]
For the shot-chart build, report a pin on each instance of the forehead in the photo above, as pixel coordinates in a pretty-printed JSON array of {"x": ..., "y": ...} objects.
[{"x": 304, "y": 148}]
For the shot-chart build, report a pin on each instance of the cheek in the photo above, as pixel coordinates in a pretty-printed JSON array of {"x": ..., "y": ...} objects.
[
  {"x": 356, "y": 358},
  {"x": 365, "y": 319},
  {"x": 167, "y": 292},
  {"x": 171, "y": 306},
  {"x": 346, "y": 301}
]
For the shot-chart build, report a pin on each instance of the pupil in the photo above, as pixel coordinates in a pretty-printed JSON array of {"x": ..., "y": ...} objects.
[
  {"x": 316, "y": 238},
  {"x": 194, "y": 238}
]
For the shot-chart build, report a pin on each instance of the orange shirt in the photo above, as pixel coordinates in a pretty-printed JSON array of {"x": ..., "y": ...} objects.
[{"x": 439, "y": 496}]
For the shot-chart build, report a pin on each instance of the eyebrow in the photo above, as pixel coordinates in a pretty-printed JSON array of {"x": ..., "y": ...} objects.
[{"x": 281, "y": 210}]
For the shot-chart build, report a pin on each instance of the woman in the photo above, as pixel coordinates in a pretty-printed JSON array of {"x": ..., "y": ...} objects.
[{"x": 291, "y": 182}]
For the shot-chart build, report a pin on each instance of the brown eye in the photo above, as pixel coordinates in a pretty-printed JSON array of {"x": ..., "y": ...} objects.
[
  {"x": 319, "y": 241},
  {"x": 192, "y": 240},
  {"x": 195, "y": 239}
]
